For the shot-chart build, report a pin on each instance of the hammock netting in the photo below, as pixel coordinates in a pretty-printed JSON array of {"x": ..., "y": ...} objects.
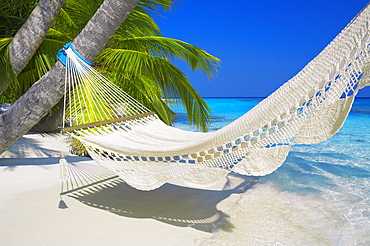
[{"x": 124, "y": 136}]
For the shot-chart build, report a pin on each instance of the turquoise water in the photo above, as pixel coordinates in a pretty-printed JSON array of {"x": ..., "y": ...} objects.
[{"x": 319, "y": 196}]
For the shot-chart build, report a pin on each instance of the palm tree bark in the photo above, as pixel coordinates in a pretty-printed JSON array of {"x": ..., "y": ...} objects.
[
  {"x": 45, "y": 93},
  {"x": 32, "y": 33},
  {"x": 51, "y": 123},
  {"x": 29, "y": 37}
]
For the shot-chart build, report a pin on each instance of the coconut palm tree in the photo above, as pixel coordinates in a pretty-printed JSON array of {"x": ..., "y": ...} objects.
[
  {"x": 136, "y": 46},
  {"x": 43, "y": 95},
  {"x": 140, "y": 35}
]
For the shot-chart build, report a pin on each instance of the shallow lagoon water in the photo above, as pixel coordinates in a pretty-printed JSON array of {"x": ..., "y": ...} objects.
[{"x": 319, "y": 196}]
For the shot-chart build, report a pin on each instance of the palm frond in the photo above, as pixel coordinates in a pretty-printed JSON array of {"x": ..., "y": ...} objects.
[
  {"x": 64, "y": 27},
  {"x": 26, "y": 79},
  {"x": 147, "y": 92},
  {"x": 59, "y": 35},
  {"x": 18, "y": 8},
  {"x": 81, "y": 11},
  {"x": 171, "y": 48},
  {"x": 4, "y": 42},
  {"x": 175, "y": 83},
  {"x": 9, "y": 25},
  {"x": 8, "y": 79},
  {"x": 137, "y": 24},
  {"x": 169, "y": 78},
  {"x": 150, "y": 6}
]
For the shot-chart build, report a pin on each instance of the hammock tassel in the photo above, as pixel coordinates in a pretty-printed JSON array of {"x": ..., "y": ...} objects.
[{"x": 63, "y": 171}]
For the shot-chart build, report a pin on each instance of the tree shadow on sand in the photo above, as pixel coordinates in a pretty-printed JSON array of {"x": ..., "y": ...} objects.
[
  {"x": 171, "y": 204},
  {"x": 28, "y": 146}
]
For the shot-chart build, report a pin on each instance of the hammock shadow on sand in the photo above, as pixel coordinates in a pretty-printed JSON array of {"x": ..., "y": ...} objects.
[
  {"x": 11, "y": 163},
  {"x": 171, "y": 204}
]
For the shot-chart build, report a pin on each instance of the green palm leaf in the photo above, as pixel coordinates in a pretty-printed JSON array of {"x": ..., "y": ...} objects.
[
  {"x": 171, "y": 48},
  {"x": 137, "y": 24},
  {"x": 9, "y": 25},
  {"x": 18, "y": 8},
  {"x": 169, "y": 78},
  {"x": 147, "y": 92},
  {"x": 64, "y": 28},
  {"x": 8, "y": 79}
]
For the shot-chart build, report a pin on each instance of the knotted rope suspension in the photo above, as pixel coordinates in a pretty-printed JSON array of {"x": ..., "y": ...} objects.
[{"x": 92, "y": 97}]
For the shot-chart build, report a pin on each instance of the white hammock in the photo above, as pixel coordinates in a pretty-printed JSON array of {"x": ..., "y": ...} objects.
[{"x": 134, "y": 143}]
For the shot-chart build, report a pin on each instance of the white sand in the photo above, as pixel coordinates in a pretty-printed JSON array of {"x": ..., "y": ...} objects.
[{"x": 119, "y": 215}]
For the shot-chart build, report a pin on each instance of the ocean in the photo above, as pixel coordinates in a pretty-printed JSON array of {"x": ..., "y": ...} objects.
[{"x": 319, "y": 196}]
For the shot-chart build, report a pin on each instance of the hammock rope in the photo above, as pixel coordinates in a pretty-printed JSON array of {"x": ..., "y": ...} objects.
[{"x": 134, "y": 143}]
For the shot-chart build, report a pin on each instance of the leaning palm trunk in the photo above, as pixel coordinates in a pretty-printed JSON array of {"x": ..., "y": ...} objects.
[
  {"x": 29, "y": 37},
  {"x": 32, "y": 33},
  {"x": 44, "y": 94},
  {"x": 50, "y": 124}
]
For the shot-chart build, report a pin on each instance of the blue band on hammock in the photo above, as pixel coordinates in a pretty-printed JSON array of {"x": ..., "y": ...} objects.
[{"x": 62, "y": 56}]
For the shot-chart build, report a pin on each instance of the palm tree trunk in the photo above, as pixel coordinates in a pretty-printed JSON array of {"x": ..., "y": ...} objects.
[
  {"x": 29, "y": 37},
  {"x": 44, "y": 94},
  {"x": 50, "y": 124},
  {"x": 32, "y": 33}
]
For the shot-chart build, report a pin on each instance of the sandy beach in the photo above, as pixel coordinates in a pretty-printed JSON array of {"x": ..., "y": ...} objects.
[
  {"x": 318, "y": 197},
  {"x": 106, "y": 213}
]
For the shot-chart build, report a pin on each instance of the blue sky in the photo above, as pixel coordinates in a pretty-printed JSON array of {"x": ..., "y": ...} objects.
[{"x": 262, "y": 44}]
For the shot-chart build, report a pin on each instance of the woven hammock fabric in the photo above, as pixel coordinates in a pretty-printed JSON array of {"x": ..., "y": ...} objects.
[{"x": 146, "y": 153}]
